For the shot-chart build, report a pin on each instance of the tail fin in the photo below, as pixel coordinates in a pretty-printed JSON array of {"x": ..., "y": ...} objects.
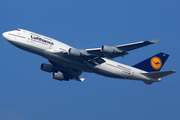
[{"x": 154, "y": 63}]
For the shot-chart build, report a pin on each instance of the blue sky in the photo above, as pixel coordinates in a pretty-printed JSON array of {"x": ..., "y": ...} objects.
[{"x": 28, "y": 93}]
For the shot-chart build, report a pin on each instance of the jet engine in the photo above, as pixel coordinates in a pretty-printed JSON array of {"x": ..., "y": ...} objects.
[
  {"x": 108, "y": 50},
  {"x": 74, "y": 52},
  {"x": 59, "y": 76},
  {"x": 47, "y": 68}
]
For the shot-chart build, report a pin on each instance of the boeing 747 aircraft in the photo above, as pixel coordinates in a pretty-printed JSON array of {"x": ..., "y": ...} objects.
[{"x": 69, "y": 63}]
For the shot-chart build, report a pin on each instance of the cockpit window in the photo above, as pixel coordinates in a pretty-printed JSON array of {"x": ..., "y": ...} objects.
[{"x": 18, "y": 29}]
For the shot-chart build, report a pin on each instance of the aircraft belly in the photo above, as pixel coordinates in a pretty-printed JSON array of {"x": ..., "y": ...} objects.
[{"x": 104, "y": 69}]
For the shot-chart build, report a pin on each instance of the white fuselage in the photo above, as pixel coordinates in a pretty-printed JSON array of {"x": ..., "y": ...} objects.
[{"x": 45, "y": 47}]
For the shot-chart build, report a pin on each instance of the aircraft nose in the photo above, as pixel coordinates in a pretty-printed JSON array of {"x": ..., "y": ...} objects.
[{"x": 4, "y": 35}]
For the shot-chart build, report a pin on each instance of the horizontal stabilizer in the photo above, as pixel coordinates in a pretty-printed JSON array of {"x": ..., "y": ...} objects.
[{"x": 158, "y": 74}]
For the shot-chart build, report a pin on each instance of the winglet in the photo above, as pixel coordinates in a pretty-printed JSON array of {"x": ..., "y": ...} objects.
[{"x": 154, "y": 41}]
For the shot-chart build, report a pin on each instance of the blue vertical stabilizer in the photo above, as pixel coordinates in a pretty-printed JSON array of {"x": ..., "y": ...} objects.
[{"x": 154, "y": 63}]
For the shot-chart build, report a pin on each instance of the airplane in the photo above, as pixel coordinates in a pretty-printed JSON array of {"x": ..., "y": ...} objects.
[{"x": 68, "y": 62}]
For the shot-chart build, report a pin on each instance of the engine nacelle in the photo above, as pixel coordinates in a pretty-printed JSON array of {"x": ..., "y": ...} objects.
[
  {"x": 59, "y": 76},
  {"x": 107, "y": 50},
  {"x": 74, "y": 52},
  {"x": 47, "y": 68}
]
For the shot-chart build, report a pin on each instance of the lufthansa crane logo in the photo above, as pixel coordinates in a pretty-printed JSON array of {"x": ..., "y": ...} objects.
[{"x": 156, "y": 63}]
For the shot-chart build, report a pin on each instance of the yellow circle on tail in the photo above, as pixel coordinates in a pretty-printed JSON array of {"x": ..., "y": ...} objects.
[{"x": 156, "y": 63}]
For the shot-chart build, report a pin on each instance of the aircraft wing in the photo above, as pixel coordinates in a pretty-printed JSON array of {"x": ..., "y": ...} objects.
[
  {"x": 120, "y": 50},
  {"x": 68, "y": 73}
]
